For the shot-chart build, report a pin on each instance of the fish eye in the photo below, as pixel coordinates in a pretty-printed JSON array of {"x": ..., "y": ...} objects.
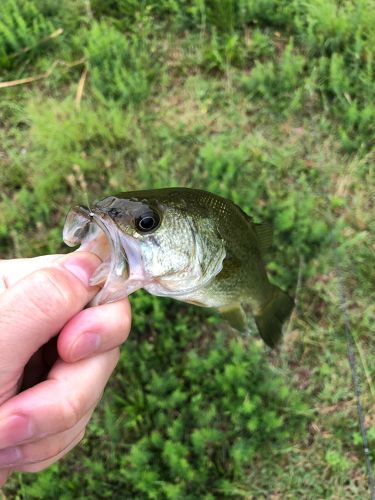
[{"x": 147, "y": 222}]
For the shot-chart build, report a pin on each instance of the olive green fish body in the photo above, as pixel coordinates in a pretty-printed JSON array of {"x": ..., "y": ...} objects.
[
  {"x": 222, "y": 226},
  {"x": 188, "y": 244}
]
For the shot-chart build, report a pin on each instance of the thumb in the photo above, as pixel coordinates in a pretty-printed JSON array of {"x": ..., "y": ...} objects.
[
  {"x": 36, "y": 308},
  {"x": 12, "y": 270}
]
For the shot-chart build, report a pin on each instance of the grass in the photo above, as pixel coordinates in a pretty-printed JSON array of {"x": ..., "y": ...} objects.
[{"x": 269, "y": 103}]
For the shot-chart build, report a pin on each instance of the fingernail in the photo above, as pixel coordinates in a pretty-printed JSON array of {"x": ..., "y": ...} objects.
[
  {"x": 14, "y": 430},
  {"x": 86, "y": 345},
  {"x": 9, "y": 456},
  {"x": 82, "y": 266}
]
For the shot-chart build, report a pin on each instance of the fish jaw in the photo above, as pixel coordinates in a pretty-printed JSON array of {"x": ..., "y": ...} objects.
[
  {"x": 125, "y": 272},
  {"x": 122, "y": 270}
]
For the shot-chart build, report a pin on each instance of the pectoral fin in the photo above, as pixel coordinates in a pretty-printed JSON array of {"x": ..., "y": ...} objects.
[{"x": 235, "y": 316}]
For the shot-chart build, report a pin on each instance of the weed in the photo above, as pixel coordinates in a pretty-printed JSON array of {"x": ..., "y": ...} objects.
[{"x": 269, "y": 103}]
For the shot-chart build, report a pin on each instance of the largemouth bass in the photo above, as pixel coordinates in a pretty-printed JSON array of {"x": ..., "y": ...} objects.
[{"x": 183, "y": 243}]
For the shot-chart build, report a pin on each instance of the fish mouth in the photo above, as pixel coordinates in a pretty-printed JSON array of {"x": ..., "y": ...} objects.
[{"x": 121, "y": 270}]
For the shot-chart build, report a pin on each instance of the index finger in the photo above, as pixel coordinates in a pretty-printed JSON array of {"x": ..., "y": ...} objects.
[{"x": 58, "y": 403}]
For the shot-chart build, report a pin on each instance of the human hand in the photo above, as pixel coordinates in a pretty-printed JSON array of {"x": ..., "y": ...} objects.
[{"x": 62, "y": 378}]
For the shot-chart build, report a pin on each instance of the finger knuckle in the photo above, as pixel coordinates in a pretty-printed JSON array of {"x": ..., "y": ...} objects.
[
  {"x": 33, "y": 468},
  {"x": 114, "y": 356},
  {"x": 52, "y": 293},
  {"x": 81, "y": 435},
  {"x": 72, "y": 411},
  {"x": 34, "y": 453},
  {"x": 123, "y": 323},
  {"x": 39, "y": 455},
  {"x": 126, "y": 327}
]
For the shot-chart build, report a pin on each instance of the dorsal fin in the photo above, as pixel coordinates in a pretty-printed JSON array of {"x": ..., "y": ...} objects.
[{"x": 263, "y": 232}]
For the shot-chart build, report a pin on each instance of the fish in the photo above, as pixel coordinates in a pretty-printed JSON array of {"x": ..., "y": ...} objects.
[{"x": 187, "y": 244}]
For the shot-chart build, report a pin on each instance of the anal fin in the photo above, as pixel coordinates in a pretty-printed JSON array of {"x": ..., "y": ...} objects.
[
  {"x": 235, "y": 315},
  {"x": 271, "y": 317}
]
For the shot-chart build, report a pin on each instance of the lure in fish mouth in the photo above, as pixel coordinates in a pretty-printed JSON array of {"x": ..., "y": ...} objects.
[
  {"x": 121, "y": 271},
  {"x": 183, "y": 243}
]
